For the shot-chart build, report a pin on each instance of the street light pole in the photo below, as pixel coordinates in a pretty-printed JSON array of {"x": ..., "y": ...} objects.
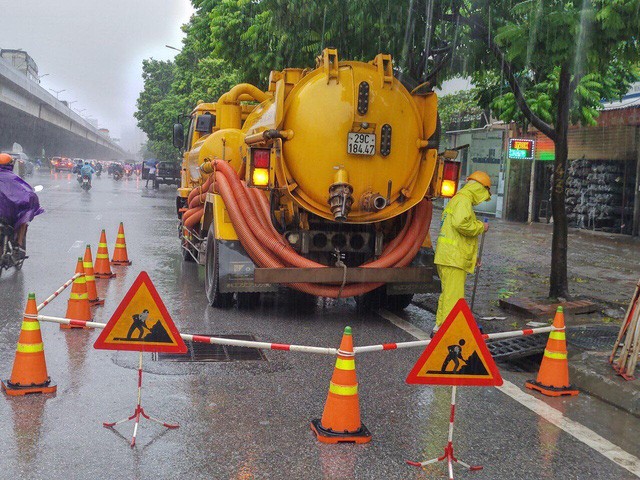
[
  {"x": 173, "y": 48},
  {"x": 57, "y": 92}
]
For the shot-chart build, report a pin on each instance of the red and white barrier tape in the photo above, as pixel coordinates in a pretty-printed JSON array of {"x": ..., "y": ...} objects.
[
  {"x": 58, "y": 291},
  {"x": 304, "y": 348},
  {"x": 205, "y": 339}
]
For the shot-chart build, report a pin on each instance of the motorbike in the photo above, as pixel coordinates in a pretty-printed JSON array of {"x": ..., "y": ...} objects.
[
  {"x": 117, "y": 174},
  {"x": 86, "y": 184},
  {"x": 11, "y": 255}
]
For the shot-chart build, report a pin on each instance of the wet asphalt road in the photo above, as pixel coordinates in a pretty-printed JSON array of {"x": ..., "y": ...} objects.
[{"x": 246, "y": 419}]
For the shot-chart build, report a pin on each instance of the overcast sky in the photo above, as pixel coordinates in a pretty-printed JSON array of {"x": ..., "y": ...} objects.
[{"x": 94, "y": 50}]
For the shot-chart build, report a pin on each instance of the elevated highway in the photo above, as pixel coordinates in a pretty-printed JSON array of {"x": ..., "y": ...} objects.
[{"x": 32, "y": 117}]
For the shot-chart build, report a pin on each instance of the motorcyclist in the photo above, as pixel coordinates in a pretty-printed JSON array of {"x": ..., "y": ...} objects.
[
  {"x": 98, "y": 168},
  {"x": 118, "y": 170},
  {"x": 19, "y": 204},
  {"x": 87, "y": 171}
]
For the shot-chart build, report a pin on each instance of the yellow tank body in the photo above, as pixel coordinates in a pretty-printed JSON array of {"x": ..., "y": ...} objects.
[{"x": 321, "y": 111}]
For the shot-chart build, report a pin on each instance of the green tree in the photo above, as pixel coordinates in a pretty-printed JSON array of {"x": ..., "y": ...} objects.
[
  {"x": 555, "y": 60},
  {"x": 460, "y": 110},
  {"x": 158, "y": 107}
]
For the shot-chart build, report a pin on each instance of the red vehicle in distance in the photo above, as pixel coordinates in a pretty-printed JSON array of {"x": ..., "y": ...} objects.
[{"x": 59, "y": 164}]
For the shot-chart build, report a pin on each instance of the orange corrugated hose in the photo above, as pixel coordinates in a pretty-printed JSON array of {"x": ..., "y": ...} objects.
[{"x": 267, "y": 248}]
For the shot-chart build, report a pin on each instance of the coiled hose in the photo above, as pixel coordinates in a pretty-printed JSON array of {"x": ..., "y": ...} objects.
[{"x": 250, "y": 215}]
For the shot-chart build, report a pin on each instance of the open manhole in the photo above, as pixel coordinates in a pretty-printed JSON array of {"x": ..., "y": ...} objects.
[
  {"x": 592, "y": 337},
  {"x": 208, "y": 352}
]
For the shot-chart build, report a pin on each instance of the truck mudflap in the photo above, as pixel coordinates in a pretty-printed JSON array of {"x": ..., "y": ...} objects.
[{"x": 237, "y": 269}]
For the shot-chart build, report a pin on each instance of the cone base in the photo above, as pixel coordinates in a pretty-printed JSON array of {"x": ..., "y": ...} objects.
[
  {"x": 104, "y": 275},
  {"x": 551, "y": 391},
  {"x": 17, "y": 390},
  {"x": 96, "y": 302},
  {"x": 121, "y": 262},
  {"x": 361, "y": 435}
]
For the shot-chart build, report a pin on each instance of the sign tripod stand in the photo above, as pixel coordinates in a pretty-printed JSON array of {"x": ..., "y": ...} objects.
[
  {"x": 448, "y": 449},
  {"x": 139, "y": 411},
  {"x": 458, "y": 342},
  {"x": 140, "y": 305}
]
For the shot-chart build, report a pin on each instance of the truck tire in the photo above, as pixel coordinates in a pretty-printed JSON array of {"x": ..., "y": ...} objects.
[
  {"x": 370, "y": 301},
  {"x": 396, "y": 303},
  {"x": 247, "y": 300},
  {"x": 212, "y": 274}
]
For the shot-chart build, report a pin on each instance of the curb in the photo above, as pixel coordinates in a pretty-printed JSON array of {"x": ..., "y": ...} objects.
[{"x": 591, "y": 373}]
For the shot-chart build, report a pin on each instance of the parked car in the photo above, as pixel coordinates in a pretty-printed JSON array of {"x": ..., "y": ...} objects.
[{"x": 168, "y": 173}]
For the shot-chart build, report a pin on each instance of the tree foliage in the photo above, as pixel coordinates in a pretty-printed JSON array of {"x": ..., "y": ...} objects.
[
  {"x": 460, "y": 110},
  {"x": 548, "y": 63}
]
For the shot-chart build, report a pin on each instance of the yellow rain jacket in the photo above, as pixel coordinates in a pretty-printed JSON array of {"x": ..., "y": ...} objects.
[{"x": 459, "y": 229}]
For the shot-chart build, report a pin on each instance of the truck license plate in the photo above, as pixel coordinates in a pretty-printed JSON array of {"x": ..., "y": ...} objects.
[{"x": 361, "y": 143}]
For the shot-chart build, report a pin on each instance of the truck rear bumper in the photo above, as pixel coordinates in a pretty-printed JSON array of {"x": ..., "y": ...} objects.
[{"x": 336, "y": 275}]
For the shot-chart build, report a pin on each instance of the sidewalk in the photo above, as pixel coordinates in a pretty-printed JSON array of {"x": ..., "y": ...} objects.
[
  {"x": 603, "y": 268},
  {"x": 516, "y": 261}
]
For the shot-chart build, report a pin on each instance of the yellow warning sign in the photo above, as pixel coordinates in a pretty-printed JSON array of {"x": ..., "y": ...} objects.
[
  {"x": 141, "y": 323},
  {"x": 457, "y": 354}
]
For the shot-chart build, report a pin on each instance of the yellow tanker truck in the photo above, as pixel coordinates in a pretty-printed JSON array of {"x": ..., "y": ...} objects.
[{"x": 322, "y": 184}]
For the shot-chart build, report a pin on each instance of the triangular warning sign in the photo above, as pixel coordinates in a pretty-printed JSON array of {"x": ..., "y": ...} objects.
[
  {"x": 141, "y": 323},
  {"x": 457, "y": 354}
]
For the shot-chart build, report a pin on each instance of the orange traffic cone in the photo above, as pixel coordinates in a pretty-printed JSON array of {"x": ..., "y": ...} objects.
[
  {"x": 553, "y": 376},
  {"x": 29, "y": 374},
  {"x": 102, "y": 268},
  {"x": 78, "y": 307},
  {"x": 89, "y": 275},
  {"x": 341, "y": 417},
  {"x": 120, "y": 256}
]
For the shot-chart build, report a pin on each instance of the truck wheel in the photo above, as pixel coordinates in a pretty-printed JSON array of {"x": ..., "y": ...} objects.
[
  {"x": 248, "y": 300},
  {"x": 371, "y": 300},
  {"x": 212, "y": 274},
  {"x": 396, "y": 303}
]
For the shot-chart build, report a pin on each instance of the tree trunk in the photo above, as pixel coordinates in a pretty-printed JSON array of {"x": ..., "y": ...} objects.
[{"x": 559, "y": 284}]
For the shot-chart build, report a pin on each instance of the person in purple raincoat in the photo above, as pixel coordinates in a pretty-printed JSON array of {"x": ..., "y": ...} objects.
[{"x": 18, "y": 202}]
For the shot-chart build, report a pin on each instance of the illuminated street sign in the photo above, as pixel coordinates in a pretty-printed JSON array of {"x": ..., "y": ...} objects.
[{"x": 521, "y": 148}]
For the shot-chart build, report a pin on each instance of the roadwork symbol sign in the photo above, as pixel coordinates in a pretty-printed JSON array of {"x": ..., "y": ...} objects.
[
  {"x": 141, "y": 323},
  {"x": 457, "y": 354}
]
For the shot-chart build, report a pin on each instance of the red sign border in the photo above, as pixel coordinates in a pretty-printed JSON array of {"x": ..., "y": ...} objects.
[
  {"x": 460, "y": 307},
  {"x": 142, "y": 278}
]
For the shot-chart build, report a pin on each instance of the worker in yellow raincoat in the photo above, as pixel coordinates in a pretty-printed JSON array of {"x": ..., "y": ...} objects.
[{"x": 457, "y": 246}]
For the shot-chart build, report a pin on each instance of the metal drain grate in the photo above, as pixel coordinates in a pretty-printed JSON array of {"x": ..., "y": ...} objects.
[
  {"x": 512, "y": 348},
  {"x": 207, "y": 352},
  {"x": 592, "y": 337}
]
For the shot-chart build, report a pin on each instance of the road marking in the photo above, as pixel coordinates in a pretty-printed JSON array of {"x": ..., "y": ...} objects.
[{"x": 585, "y": 435}]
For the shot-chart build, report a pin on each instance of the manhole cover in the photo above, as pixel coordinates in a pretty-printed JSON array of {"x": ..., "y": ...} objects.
[
  {"x": 208, "y": 352},
  {"x": 518, "y": 347},
  {"x": 592, "y": 337}
]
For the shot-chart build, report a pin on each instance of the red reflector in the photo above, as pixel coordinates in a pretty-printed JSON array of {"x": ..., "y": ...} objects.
[
  {"x": 451, "y": 171},
  {"x": 261, "y": 158}
]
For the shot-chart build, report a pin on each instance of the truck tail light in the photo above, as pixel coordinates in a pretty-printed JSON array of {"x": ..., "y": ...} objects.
[
  {"x": 260, "y": 177},
  {"x": 260, "y": 167},
  {"x": 261, "y": 158},
  {"x": 450, "y": 177}
]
